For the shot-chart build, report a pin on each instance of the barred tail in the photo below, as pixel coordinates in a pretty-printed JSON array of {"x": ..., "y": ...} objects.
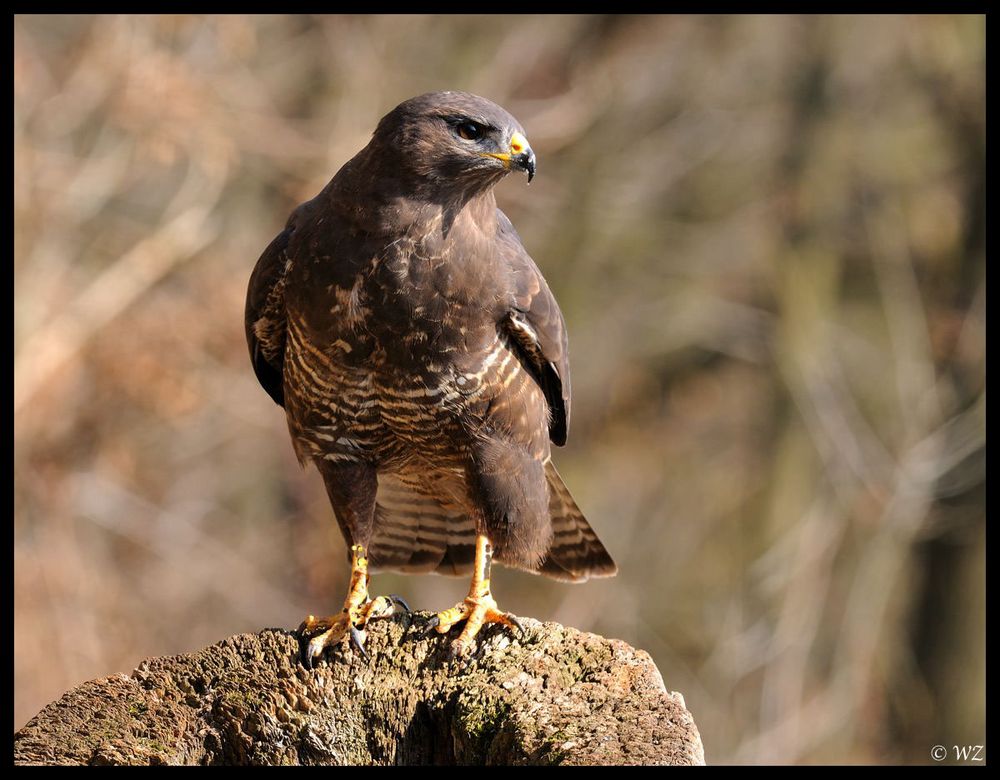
[
  {"x": 576, "y": 553},
  {"x": 417, "y": 531}
]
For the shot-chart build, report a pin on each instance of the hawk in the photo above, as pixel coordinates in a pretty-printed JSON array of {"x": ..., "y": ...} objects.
[{"x": 422, "y": 363}]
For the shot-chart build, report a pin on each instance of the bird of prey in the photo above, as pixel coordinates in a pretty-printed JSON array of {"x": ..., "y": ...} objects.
[{"x": 422, "y": 363}]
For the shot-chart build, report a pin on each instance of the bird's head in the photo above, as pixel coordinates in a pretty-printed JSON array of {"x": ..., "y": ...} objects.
[{"x": 455, "y": 138}]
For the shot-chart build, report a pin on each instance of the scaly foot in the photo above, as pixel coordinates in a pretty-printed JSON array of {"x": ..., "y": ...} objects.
[
  {"x": 317, "y": 634},
  {"x": 478, "y": 608},
  {"x": 476, "y": 611}
]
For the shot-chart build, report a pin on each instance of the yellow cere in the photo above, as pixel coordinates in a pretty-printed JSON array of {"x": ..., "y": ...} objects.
[{"x": 518, "y": 143}]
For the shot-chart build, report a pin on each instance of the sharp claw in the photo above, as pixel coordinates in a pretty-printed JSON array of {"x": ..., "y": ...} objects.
[
  {"x": 358, "y": 640},
  {"x": 520, "y": 626},
  {"x": 305, "y": 644},
  {"x": 311, "y": 651},
  {"x": 401, "y": 601},
  {"x": 433, "y": 623}
]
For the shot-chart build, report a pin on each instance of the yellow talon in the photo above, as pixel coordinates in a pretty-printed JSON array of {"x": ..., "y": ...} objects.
[
  {"x": 478, "y": 608},
  {"x": 317, "y": 634}
]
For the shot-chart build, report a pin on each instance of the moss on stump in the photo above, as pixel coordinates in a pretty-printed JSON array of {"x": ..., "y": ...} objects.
[{"x": 556, "y": 696}]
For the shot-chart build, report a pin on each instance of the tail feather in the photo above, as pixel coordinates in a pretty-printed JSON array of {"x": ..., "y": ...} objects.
[
  {"x": 419, "y": 528},
  {"x": 576, "y": 554}
]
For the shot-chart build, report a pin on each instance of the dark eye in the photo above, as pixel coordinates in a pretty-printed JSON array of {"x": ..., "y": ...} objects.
[{"x": 470, "y": 131}]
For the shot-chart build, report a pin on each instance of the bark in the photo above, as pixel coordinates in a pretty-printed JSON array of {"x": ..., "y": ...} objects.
[{"x": 556, "y": 696}]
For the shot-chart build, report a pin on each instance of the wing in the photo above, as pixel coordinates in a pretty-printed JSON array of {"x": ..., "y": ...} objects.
[
  {"x": 265, "y": 316},
  {"x": 536, "y": 329}
]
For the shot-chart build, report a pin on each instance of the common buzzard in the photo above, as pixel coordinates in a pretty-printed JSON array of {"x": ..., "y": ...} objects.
[{"x": 422, "y": 363}]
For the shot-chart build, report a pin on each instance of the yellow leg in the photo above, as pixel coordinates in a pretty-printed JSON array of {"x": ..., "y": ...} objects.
[
  {"x": 317, "y": 634},
  {"x": 478, "y": 608}
]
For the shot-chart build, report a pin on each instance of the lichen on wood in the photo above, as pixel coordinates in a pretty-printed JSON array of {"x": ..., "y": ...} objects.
[{"x": 554, "y": 696}]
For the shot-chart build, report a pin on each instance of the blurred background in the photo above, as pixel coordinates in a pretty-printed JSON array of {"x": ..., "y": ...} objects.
[{"x": 766, "y": 235}]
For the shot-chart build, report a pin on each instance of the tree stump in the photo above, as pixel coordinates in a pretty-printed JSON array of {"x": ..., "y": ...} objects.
[{"x": 555, "y": 696}]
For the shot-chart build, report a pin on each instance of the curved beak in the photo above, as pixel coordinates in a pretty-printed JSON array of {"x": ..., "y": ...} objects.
[
  {"x": 520, "y": 156},
  {"x": 526, "y": 162}
]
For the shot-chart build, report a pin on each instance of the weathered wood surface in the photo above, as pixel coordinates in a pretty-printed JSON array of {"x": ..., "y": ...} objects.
[{"x": 556, "y": 696}]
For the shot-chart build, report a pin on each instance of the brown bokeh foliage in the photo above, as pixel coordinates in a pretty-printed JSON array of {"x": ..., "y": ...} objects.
[{"x": 766, "y": 234}]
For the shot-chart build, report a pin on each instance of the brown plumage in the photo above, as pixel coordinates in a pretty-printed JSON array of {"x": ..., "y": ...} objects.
[{"x": 419, "y": 354}]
